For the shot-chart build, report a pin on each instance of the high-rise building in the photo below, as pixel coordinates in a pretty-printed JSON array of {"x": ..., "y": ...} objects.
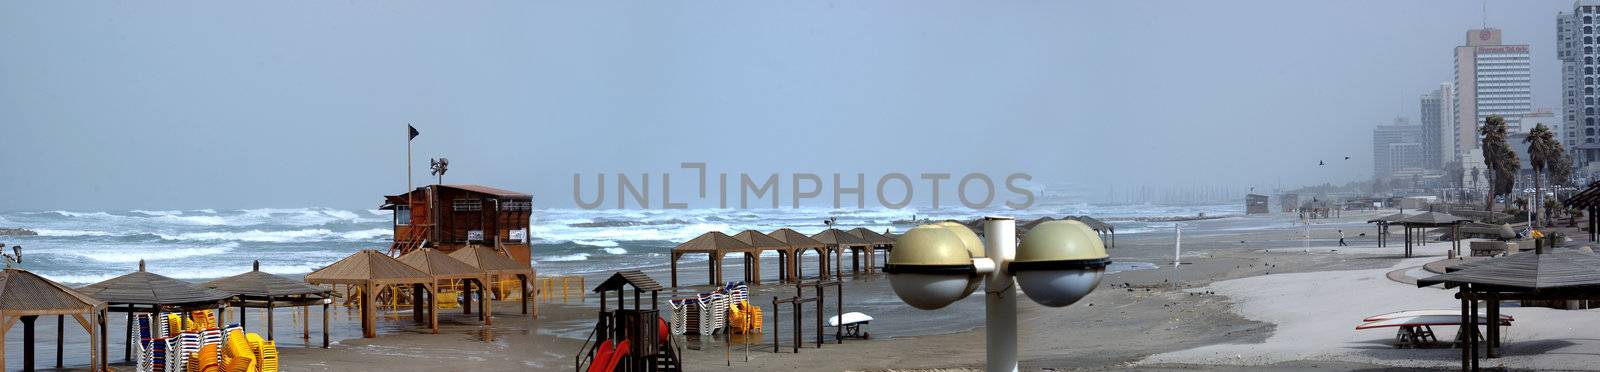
[
  {"x": 1438, "y": 129},
  {"x": 1491, "y": 78},
  {"x": 1397, "y": 149},
  {"x": 1576, "y": 42}
]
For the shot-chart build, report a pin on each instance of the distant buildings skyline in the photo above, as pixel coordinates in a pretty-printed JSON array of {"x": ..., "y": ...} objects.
[
  {"x": 1398, "y": 149},
  {"x": 1576, "y": 43}
]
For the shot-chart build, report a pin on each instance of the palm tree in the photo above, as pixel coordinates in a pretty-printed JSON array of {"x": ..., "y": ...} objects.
[
  {"x": 1453, "y": 174},
  {"x": 1498, "y": 156},
  {"x": 1543, "y": 152},
  {"x": 1475, "y": 177}
]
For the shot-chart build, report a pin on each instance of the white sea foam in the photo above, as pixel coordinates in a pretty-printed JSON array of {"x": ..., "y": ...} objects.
[
  {"x": 616, "y": 250},
  {"x": 253, "y": 235},
  {"x": 368, "y": 234},
  {"x": 568, "y": 258},
  {"x": 67, "y": 232},
  {"x": 125, "y": 254},
  {"x": 157, "y": 213},
  {"x": 597, "y": 243}
]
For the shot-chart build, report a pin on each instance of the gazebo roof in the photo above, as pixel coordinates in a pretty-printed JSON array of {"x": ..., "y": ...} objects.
[
  {"x": 839, "y": 238},
  {"x": 871, "y": 236},
  {"x": 1031, "y": 224},
  {"x": 760, "y": 241},
  {"x": 368, "y": 267},
  {"x": 258, "y": 284},
  {"x": 1525, "y": 272},
  {"x": 635, "y": 278},
  {"x": 1389, "y": 218},
  {"x": 714, "y": 241},
  {"x": 1094, "y": 223},
  {"x": 489, "y": 260},
  {"x": 25, "y": 293},
  {"x": 1432, "y": 219},
  {"x": 795, "y": 239},
  {"x": 439, "y": 265},
  {"x": 147, "y": 288}
]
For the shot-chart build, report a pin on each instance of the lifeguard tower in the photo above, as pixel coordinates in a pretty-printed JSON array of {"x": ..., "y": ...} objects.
[{"x": 450, "y": 217}]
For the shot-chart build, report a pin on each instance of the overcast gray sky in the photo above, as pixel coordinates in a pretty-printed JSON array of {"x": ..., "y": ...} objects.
[{"x": 119, "y": 105}]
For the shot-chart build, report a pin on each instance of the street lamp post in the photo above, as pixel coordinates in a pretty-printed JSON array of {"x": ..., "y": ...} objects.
[{"x": 1058, "y": 263}]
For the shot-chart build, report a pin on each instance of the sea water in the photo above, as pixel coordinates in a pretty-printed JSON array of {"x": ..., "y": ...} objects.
[{"x": 81, "y": 247}]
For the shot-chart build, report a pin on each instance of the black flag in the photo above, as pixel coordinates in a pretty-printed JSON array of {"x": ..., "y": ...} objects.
[{"x": 414, "y": 132}]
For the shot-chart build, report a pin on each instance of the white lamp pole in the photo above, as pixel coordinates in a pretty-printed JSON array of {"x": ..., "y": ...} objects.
[{"x": 1000, "y": 300}]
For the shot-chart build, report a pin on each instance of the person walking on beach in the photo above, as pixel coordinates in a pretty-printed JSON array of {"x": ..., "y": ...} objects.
[{"x": 1341, "y": 238}]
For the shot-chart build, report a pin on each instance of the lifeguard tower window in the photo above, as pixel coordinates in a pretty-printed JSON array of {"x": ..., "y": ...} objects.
[
  {"x": 402, "y": 215},
  {"x": 518, "y": 206},
  {"x": 467, "y": 205}
]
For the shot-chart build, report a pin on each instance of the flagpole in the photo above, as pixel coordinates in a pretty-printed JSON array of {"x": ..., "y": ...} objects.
[{"x": 408, "y": 176}]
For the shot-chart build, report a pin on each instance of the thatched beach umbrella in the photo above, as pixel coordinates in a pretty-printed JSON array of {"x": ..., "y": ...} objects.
[
  {"x": 879, "y": 243},
  {"x": 837, "y": 241},
  {"x": 1426, "y": 220},
  {"x": 500, "y": 265},
  {"x": 716, "y": 244},
  {"x": 259, "y": 289},
  {"x": 798, "y": 244},
  {"x": 25, "y": 296},
  {"x": 444, "y": 268},
  {"x": 1383, "y": 226},
  {"x": 146, "y": 292},
  {"x": 752, "y": 259},
  {"x": 1556, "y": 276},
  {"x": 371, "y": 270}
]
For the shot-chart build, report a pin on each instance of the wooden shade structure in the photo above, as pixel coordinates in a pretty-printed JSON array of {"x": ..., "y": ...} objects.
[
  {"x": 798, "y": 244},
  {"x": 1383, "y": 226},
  {"x": 837, "y": 241},
  {"x": 370, "y": 269},
  {"x": 146, "y": 292},
  {"x": 1422, "y": 221},
  {"x": 1105, "y": 230},
  {"x": 1589, "y": 201},
  {"x": 25, "y": 296},
  {"x": 760, "y": 242},
  {"x": 498, "y": 265},
  {"x": 443, "y": 268},
  {"x": 879, "y": 243},
  {"x": 716, "y": 244},
  {"x": 1563, "y": 275},
  {"x": 262, "y": 290}
]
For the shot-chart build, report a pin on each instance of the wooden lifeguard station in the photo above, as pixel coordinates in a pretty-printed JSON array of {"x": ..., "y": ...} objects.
[{"x": 449, "y": 217}]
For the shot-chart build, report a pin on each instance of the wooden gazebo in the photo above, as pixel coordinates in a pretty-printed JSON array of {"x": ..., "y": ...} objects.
[
  {"x": 150, "y": 293},
  {"x": 752, "y": 259},
  {"x": 499, "y": 265},
  {"x": 1106, "y": 230},
  {"x": 716, "y": 244},
  {"x": 1589, "y": 201},
  {"x": 1383, "y": 226},
  {"x": 25, "y": 296},
  {"x": 879, "y": 243},
  {"x": 261, "y": 290},
  {"x": 1426, "y": 220},
  {"x": 444, "y": 268},
  {"x": 838, "y": 241},
  {"x": 369, "y": 270},
  {"x": 798, "y": 244},
  {"x": 1557, "y": 276}
]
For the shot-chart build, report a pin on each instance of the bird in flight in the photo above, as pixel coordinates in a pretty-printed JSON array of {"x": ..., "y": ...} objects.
[{"x": 1319, "y": 162}]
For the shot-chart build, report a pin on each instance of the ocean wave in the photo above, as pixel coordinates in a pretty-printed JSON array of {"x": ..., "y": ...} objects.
[
  {"x": 567, "y": 258},
  {"x": 616, "y": 250},
  {"x": 125, "y": 254},
  {"x": 157, "y": 213},
  {"x": 186, "y": 272},
  {"x": 67, "y": 232},
  {"x": 305, "y": 235},
  {"x": 597, "y": 243}
]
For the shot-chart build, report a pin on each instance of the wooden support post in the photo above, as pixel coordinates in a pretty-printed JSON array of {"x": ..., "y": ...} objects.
[
  {"x": 369, "y": 322},
  {"x": 61, "y": 333},
  {"x": 855, "y": 260},
  {"x": 433, "y": 308},
  {"x": 105, "y": 362},
  {"x": 305, "y": 323},
  {"x": 466, "y": 296},
  {"x": 488, "y": 304},
  {"x": 27, "y": 341},
  {"x": 1463, "y": 335},
  {"x": 127, "y": 347},
  {"x": 270, "y": 312},
  {"x": 324, "y": 325},
  {"x": 416, "y": 303},
  {"x": 674, "y": 261},
  {"x": 1493, "y": 309}
]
